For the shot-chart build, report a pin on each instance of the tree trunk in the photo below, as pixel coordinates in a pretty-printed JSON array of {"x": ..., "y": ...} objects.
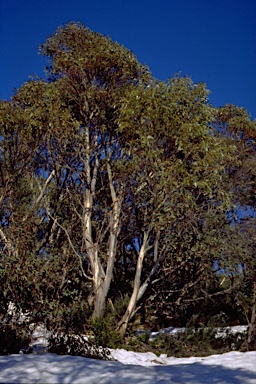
[
  {"x": 100, "y": 302},
  {"x": 102, "y": 280},
  {"x": 251, "y": 328},
  {"x": 122, "y": 325}
]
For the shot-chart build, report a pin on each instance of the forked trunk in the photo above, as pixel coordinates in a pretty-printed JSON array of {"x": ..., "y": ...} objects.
[{"x": 122, "y": 325}]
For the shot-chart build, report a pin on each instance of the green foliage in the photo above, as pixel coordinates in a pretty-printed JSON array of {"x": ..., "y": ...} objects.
[
  {"x": 193, "y": 342},
  {"x": 104, "y": 333},
  {"x": 140, "y": 343},
  {"x": 102, "y": 156},
  {"x": 77, "y": 47}
]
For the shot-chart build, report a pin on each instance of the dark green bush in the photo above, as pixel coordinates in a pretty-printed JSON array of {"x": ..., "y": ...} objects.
[
  {"x": 13, "y": 338},
  {"x": 105, "y": 334},
  {"x": 197, "y": 342}
]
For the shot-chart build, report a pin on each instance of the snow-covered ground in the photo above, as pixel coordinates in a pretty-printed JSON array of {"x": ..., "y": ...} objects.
[
  {"x": 174, "y": 331},
  {"x": 131, "y": 368}
]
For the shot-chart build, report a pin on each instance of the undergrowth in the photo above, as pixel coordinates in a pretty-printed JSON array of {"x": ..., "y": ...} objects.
[{"x": 201, "y": 342}]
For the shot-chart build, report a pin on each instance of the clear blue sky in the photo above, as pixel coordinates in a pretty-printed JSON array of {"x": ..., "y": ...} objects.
[{"x": 213, "y": 41}]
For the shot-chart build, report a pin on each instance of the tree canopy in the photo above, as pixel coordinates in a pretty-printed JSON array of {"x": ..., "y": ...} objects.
[{"x": 122, "y": 193}]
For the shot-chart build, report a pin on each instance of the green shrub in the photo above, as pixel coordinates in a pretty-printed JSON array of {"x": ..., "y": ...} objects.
[
  {"x": 197, "y": 342},
  {"x": 105, "y": 334}
]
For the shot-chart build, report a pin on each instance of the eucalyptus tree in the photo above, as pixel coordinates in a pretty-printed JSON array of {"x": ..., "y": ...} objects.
[
  {"x": 238, "y": 257},
  {"x": 92, "y": 73},
  {"x": 15, "y": 166},
  {"x": 142, "y": 155},
  {"x": 33, "y": 276},
  {"x": 123, "y": 167},
  {"x": 223, "y": 237},
  {"x": 176, "y": 184}
]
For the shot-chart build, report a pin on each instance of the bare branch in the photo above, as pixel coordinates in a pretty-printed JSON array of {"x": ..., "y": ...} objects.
[
  {"x": 42, "y": 189},
  {"x": 148, "y": 281}
]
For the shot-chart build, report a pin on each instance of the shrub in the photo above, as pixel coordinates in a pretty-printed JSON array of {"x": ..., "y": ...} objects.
[
  {"x": 197, "y": 342},
  {"x": 74, "y": 345},
  {"x": 13, "y": 338},
  {"x": 105, "y": 334}
]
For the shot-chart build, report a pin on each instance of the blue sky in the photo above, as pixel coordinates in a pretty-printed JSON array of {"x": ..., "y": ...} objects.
[{"x": 213, "y": 41}]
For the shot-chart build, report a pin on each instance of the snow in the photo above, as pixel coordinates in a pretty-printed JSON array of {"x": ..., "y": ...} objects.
[
  {"x": 174, "y": 331},
  {"x": 131, "y": 367}
]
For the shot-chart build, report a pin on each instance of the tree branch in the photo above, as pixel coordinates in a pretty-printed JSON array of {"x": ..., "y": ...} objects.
[{"x": 72, "y": 247}]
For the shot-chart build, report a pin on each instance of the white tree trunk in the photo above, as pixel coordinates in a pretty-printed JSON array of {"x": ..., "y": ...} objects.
[
  {"x": 101, "y": 279},
  {"x": 122, "y": 326}
]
